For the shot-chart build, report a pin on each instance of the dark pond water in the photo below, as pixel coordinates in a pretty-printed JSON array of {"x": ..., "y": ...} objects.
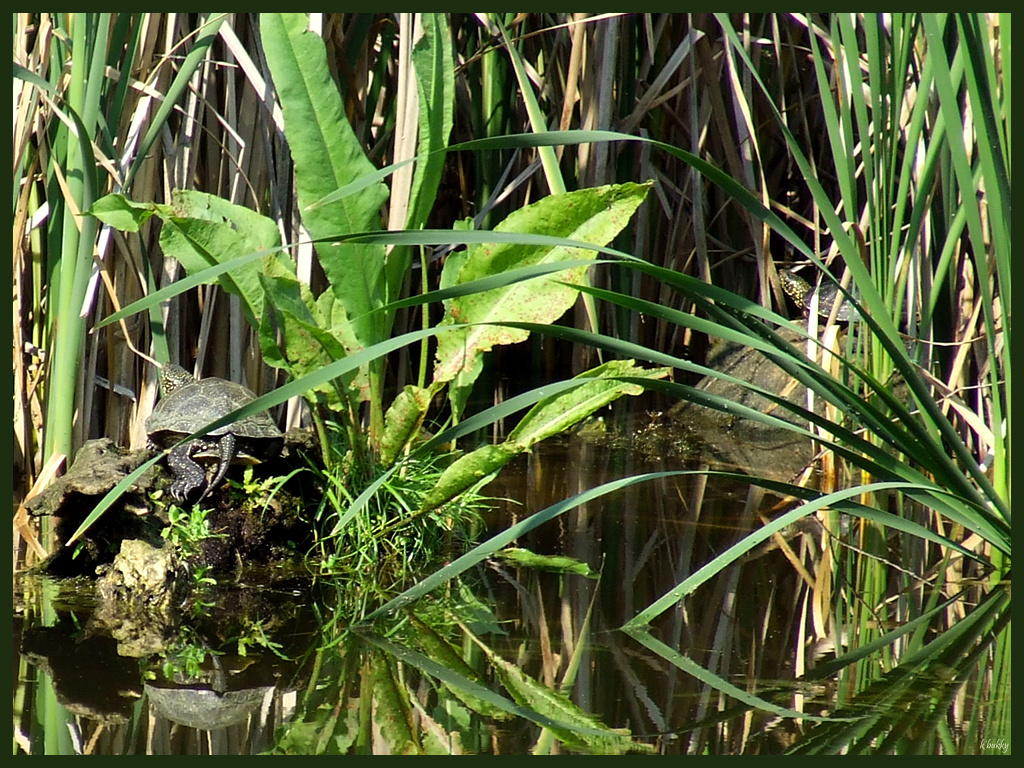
[{"x": 257, "y": 675}]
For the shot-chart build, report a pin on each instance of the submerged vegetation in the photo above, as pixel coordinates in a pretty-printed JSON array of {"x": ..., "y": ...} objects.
[{"x": 412, "y": 230}]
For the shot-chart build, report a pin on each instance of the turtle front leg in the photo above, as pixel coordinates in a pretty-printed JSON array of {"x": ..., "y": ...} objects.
[
  {"x": 188, "y": 475},
  {"x": 227, "y": 455}
]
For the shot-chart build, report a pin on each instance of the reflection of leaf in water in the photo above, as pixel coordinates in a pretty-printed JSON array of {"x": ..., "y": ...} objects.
[
  {"x": 439, "y": 650},
  {"x": 581, "y": 731}
]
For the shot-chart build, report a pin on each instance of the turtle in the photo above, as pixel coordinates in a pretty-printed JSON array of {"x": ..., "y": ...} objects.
[
  {"x": 828, "y": 293},
  {"x": 187, "y": 405}
]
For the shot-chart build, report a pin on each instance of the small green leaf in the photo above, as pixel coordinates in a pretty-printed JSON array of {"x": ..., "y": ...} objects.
[
  {"x": 123, "y": 214},
  {"x": 402, "y": 422},
  {"x": 557, "y": 563}
]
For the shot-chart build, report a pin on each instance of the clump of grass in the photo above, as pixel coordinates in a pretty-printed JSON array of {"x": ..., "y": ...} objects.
[{"x": 391, "y": 539}]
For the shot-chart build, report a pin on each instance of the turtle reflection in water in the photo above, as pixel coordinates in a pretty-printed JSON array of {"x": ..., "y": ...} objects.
[
  {"x": 827, "y": 291},
  {"x": 186, "y": 406}
]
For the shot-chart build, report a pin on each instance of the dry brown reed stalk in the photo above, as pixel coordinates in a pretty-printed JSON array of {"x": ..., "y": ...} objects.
[{"x": 31, "y": 50}]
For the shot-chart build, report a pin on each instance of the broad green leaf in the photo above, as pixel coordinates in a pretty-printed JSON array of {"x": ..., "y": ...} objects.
[
  {"x": 433, "y": 63},
  {"x": 556, "y": 414},
  {"x": 293, "y": 322},
  {"x": 461, "y": 387},
  {"x": 437, "y": 648},
  {"x": 327, "y": 155},
  {"x": 435, "y": 81},
  {"x": 589, "y": 215},
  {"x": 467, "y": 471},
  {"x": 456, "y": 260},
  {"x": 335, "y": 320},
  {"x": 201, "y": 230}
]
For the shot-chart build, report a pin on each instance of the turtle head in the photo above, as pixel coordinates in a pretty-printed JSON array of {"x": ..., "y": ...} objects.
[
  {"x": 795, "y": 287},
  {"x": 173, "y": 377}
]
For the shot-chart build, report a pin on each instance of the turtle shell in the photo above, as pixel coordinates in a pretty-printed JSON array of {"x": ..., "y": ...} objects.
[
  {"x": 191, "y": 406},
  {"x": 826, "y": 291}
]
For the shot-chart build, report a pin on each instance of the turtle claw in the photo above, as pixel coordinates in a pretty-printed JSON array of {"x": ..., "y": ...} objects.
[
  {"x": 189, "y": 476},
  {"x": 182, "y": 490}
]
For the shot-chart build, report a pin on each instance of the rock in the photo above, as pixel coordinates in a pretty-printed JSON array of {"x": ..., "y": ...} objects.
[
  {"x": 137, "y": 598},
  {"x": 99, "y": 465}
]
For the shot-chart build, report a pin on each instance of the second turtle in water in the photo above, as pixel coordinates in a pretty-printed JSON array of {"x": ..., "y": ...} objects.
[{"x": 186, "y": 406}]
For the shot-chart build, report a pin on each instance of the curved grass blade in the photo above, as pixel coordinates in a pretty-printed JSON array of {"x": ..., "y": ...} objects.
[
  {"x": 677, "y": 659},
  {"x": 713, "y": 567},
  {"x": 502, "y": 540}
]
